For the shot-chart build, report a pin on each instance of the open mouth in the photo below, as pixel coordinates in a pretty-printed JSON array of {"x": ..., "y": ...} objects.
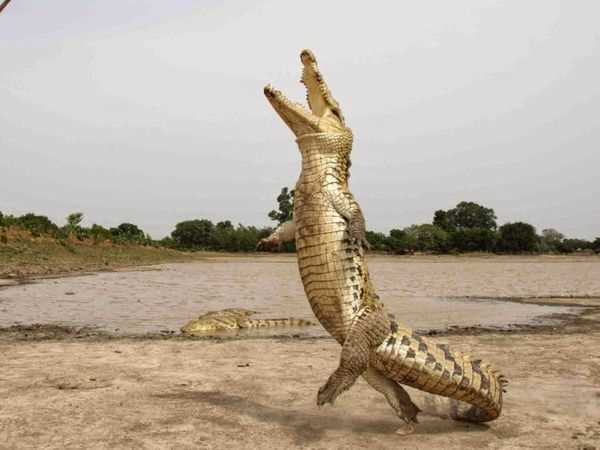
[
  {"x": 322, "y": 112},
  {"x": 313, "y": 82}
]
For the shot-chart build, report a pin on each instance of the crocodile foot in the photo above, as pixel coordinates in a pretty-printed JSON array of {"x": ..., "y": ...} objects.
[
  {"x": 406, "y": 429},
  {"x": 331, "y": 390}
]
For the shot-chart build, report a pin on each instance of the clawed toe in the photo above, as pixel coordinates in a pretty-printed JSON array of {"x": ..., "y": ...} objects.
[
  {"x": 327, "y": 394},
  {"x": 405, "y": 429}
]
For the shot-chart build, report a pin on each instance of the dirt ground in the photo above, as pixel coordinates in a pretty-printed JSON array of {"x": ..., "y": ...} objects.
[
  {"x": 174, "y": 393},
  {"x": 64, "y": 388}
]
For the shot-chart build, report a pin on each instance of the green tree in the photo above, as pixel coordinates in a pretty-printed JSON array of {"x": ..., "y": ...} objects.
[
  {"x": 596, "y": 245},
  {"x": 194, "y": 234},
  {"x": 223, "y": 236},
  {"x": 429, "y": 238},
  {"x": 168, "y": 242},
  {"x": 99, "y": 233},
  {"x": 574, "y": 245},
  {"x": 471, "y": 215},
  {"x": 74, "y": 219},
  {"x": 441, "y": 220},
  {"x": 72, "y": 226},
  {"x": 473, "y": 240},
  {"x": 37, "y": 225},
  {"x": 517, "y": 237},
  {"x": 401, "y": 242},
  {"x": 3, "y": 237},
  {"x": 285, "y": 200},
  {"x": 128, "y": 232},
  {"x": 469, "y": 227},
  {"x": 551, "y": 240},
  {"x": 376, "y": 240}
]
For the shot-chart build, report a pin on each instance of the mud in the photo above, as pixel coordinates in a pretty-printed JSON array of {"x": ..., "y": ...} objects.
[{"x": 168, "y": 296}]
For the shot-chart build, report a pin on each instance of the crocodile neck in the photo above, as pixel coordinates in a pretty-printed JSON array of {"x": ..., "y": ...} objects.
[{"x": 325, "y": 160}]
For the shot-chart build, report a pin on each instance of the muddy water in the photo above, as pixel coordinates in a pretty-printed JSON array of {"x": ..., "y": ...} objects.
[{"x": 166, "y": 298}]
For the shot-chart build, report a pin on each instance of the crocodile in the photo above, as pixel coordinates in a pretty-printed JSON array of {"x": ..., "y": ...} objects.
[
  {"x": 234, "y": 319},
  {"x": 328, "y": 227}
]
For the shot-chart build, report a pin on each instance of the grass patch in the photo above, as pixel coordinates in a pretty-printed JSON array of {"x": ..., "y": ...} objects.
[{"x": 22, "y": 254}]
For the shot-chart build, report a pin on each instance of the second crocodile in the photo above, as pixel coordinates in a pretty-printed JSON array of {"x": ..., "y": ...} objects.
[{"x": 235, "y": 319}]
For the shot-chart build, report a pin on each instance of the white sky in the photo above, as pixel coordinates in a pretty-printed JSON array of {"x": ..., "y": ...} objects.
[{"x": 152, "y": 112}]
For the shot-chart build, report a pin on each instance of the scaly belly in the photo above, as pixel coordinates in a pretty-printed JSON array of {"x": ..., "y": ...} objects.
[{"x": 329, "y": 267}]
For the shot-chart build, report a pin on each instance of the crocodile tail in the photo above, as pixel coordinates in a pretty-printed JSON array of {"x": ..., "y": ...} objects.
[
  {"x": 270, "y": 323},
  {"x": 414, "y": 361}
]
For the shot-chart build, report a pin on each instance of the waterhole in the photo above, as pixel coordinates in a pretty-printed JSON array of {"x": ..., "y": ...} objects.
[{"x": 150, "y": 301}]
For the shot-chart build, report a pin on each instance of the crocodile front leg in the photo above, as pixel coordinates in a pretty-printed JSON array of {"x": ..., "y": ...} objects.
[
  {"x": 345, "y": 204},
  {"x": 285, "y": 232},
  {"x": 369, "y": 329}
]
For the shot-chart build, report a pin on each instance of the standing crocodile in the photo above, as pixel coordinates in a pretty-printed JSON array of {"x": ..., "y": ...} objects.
[
  {"x": 329, "y": 230},
  {"x": 235, "y": 319}
]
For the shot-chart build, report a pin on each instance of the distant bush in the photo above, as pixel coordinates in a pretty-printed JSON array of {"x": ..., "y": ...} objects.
[
  {"x": 98, "y": 233},
  {"x": 36, "y": 224},
  {"x": 285, "y": 202},
  {"x": 202, "y": 234},
  {"x": 470, "y": 227},
  {"x": 473, "y": 240},
  {"x": 401, "y": 242},
  {"x": 465, "y": 215},
  {"x": 575, "y": 245},
  {"x": 128, "y": 233},
  {"x": 550, "y": 240},
  {"x": 377, "y": 241},
  {"x": 193, "y": 234},
  {"x": 428, "y": 238},
  {"x": 596, "y": 245},
  {"x": 517, "y": 237}
]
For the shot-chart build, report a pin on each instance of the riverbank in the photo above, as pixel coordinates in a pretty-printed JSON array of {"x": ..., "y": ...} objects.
[
  {"x": 261, "y": 393},
  {"x": 24, "y": 256}
]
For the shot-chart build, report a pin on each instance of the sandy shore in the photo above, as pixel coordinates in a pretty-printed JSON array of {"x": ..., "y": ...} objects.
[
  {"x": 89, "y": 391},
  {"x": 261, "y": 394}
]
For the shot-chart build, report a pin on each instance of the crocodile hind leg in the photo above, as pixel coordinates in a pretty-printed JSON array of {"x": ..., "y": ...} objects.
[
  {"x": 397, "y": 398},
  {"x": 368, "y": 330}
]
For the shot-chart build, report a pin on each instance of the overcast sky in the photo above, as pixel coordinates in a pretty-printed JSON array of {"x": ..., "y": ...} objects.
[{"x": 152, "y": 112}]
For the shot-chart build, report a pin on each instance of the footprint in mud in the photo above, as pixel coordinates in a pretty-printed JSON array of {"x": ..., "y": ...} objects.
[{"x": 77, "y": 383}]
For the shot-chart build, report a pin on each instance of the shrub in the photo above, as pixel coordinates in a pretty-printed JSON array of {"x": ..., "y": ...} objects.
[
  {"x": 401, "y": 242},
  {"x": 473, "y": 240},
  {"x": 377, "y": 241},
  {"x": 37, "y": 225},
  {"x": 193, "y": 234},
  {"x": 574, "y": 245},
  {"x": 465, "y": 215},
  {"x": 517, "y": 237},
  {"x": 128, "y": 232}
]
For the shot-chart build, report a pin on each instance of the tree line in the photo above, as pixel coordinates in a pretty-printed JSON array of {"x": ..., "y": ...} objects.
[
  {"x": 468, "y": 227},
  {"x": 38, "y": 225},
  {"x": 198, "y": 234}
]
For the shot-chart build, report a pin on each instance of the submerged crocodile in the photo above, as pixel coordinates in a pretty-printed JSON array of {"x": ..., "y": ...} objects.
[
  {"x": 235, "y": 318},
  {"x": 329, "y": 230}
]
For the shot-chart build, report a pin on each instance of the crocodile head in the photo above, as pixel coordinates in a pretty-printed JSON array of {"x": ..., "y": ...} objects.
[{"x": 323, "y": 113}]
